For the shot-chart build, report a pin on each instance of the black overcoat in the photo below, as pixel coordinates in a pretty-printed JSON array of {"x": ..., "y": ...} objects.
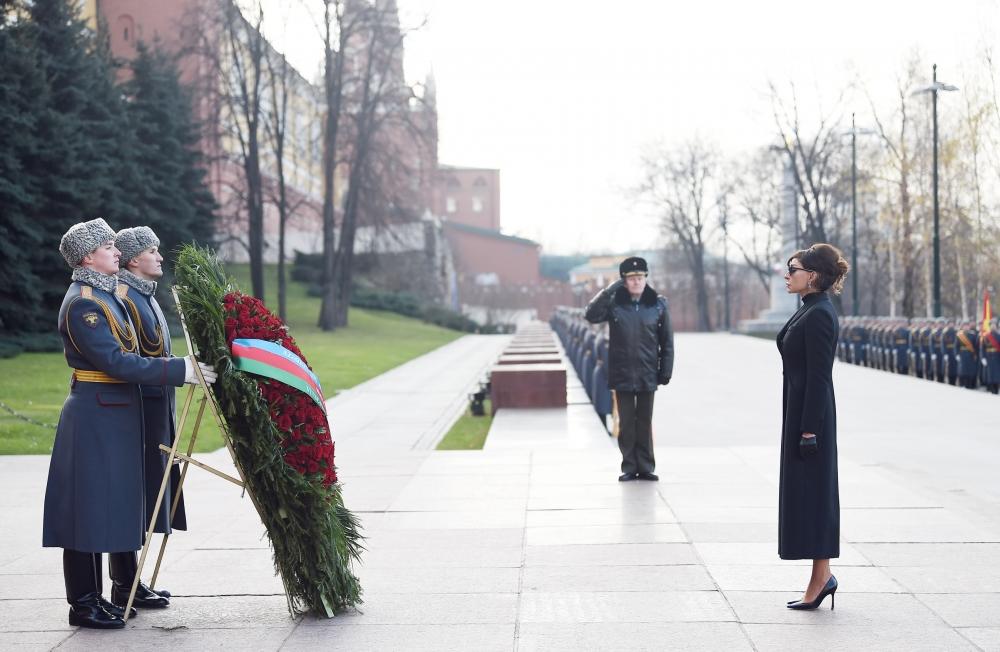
[
  {"x": 158, "y": 408},
  {"x": 809, "y": 495},
  {"x": 94, "y": 494},
  {"x": 640, "y": 342}
]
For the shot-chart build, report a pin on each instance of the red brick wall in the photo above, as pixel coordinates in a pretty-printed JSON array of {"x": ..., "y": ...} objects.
[
  {"x": 464, "y": 186},
  {"x": 512, "y": 261}
]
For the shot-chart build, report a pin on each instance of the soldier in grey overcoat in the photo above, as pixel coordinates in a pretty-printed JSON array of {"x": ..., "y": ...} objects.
[
  {"x": 140, "y": 267},
  {"x": 94, "y": 498}
]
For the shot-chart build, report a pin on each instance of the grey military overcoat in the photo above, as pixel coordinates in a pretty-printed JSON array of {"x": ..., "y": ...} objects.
[
  {"x": 94, "y": 497},
  {"x": 158, "y": 408}
]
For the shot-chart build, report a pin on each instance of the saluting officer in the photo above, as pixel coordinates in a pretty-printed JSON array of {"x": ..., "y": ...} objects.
[
  {"x": 641, "y": 357},
  {"x": 140, "y": 269},
  {"x": 94, "y": 495}
]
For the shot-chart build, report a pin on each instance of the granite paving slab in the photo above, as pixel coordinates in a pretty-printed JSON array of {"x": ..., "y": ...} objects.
[{"x": 532, "y": 544}]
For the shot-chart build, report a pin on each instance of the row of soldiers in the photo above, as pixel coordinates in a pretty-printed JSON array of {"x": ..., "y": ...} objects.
[
  {"x": 586, "y": 346},
  {"x": 948, "y": 351}
]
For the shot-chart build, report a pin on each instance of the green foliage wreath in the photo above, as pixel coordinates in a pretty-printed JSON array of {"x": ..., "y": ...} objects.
[{"x": 314, "y": 537}]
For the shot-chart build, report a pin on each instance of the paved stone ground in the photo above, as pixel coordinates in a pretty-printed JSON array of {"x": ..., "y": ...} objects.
[{"x": 532, "y": 544}]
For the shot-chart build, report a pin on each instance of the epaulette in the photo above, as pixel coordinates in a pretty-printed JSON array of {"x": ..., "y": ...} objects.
[
  {"x": 87, "y": 292},
  {"x": 121, "y": 291}
]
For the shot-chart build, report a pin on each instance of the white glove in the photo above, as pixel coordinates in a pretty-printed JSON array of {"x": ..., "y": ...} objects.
[{"x": 191, "y": 378}]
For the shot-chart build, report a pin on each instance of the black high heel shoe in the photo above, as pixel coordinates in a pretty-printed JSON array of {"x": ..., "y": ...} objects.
[{"x": 829, "y": 590}]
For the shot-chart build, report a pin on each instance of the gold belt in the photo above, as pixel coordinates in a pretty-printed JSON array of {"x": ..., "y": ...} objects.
[{"x": 84, "y": 376}]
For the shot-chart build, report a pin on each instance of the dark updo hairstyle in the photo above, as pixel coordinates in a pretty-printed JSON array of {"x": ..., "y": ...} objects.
[{"x": 828, "y": 263}]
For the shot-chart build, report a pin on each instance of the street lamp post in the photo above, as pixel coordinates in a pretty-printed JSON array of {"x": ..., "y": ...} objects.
[
  {"x": 934, "y": 89},
  {"x": 724, "y": 223},
  {"x": 854, "y": 217},
  {"x": 854, "y": 211}
]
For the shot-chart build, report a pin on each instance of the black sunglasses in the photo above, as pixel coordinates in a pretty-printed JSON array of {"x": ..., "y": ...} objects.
[{"x": 792, "y": 269}]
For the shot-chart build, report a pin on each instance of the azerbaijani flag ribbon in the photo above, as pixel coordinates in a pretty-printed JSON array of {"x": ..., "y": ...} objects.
[{"x": 271, "y": 360}]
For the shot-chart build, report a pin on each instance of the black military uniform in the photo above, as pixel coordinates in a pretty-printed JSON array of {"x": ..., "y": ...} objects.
[
  {"x": 900, "y": 348},
  {"x": 640, "y": 357}
]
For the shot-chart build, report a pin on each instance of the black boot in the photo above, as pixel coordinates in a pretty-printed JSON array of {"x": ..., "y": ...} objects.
[
  {"x": 124, "y": 566},
  {"x": 87, "y": 611},
  {"x": 82, "y": 572},
  {"x": 115, "y": 610}
]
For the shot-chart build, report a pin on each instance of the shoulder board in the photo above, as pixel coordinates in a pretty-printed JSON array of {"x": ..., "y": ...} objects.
[
  {"x": 86, "y": 292},
  {"x": 121, "y": 291}
]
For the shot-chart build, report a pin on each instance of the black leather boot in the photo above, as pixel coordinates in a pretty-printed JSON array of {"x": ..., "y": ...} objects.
[
  {"x": 115, "y": 610},
  {"x": 87, "y": 611},
  {"x": 82, "y": 572},
  {"x": 124, "y": 566}
]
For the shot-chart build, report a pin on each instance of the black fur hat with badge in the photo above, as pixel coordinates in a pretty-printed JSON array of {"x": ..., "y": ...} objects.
[{"x": 633, "y": 265}]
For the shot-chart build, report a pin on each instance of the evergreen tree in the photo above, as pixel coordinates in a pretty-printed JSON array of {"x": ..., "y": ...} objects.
[
  {"x": 21, "y": 92},
  {"x": 74, "y": 145},
  {"x": 81, "y": 163}
]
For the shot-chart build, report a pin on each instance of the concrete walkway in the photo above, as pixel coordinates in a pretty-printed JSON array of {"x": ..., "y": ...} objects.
[{"x": 532, "y": 544}]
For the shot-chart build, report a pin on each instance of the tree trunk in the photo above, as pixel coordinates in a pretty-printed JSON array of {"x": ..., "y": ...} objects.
[
  {"x": 333, "y": 72},
  {"x": 963, "y": 294},
  {"x": 701, "y": 290},
  {"x": 255, "y": 208},
  {"x": 907, "y": 261},
  {"x": 893, "y": 276}
]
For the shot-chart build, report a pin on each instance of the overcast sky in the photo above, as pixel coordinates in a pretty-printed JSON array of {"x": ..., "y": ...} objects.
[{"x": 563, "y": 95}]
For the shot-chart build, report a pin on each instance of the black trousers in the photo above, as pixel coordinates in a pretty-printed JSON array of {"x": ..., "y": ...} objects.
[
  {"x": 635, "y": 431},
  {"x": 83, "y": 572}
]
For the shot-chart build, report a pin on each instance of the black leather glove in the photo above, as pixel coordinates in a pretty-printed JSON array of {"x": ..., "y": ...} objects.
[
  {"x": 663, "y": 380},
  {"x": 808, "y": 447}
]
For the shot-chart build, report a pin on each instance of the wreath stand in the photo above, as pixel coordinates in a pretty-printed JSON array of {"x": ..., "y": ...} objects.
[{"x": 186, "y": 459}]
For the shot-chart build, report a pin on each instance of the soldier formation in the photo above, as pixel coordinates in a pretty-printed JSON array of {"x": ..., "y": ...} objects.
[
  {"x": 957, "y": 352},
  {"x": 586, "y": 347}
]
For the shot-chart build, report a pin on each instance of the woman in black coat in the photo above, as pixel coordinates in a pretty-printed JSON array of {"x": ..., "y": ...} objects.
[{"x": 809, "y": 500}]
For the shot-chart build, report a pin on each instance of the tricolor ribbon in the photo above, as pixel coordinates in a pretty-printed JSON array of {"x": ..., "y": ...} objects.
[{"x": 274, "y": 361}]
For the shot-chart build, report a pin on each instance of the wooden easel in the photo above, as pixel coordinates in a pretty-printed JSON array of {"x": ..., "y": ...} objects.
[{"x": 207, "y": 398}]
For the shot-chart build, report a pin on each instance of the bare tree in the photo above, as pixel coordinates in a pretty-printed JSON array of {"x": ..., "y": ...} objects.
[
  {"x": 244, "y": 54},
  {"x": 903, "y": 156},
  {"x": 282, "y": 80},
  {"x": 812, "y": 154},
  {"x": 337, "y": 30},
  {"x": 756, "y": 217},
  {"x": 373, "y": 98},
  {"x": 679, "y": 185}
]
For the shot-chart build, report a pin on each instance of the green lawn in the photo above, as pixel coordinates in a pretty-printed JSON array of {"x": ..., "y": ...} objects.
[
  {"x": 35, "y": 384},
  {"x": 469, "y": 432}
]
